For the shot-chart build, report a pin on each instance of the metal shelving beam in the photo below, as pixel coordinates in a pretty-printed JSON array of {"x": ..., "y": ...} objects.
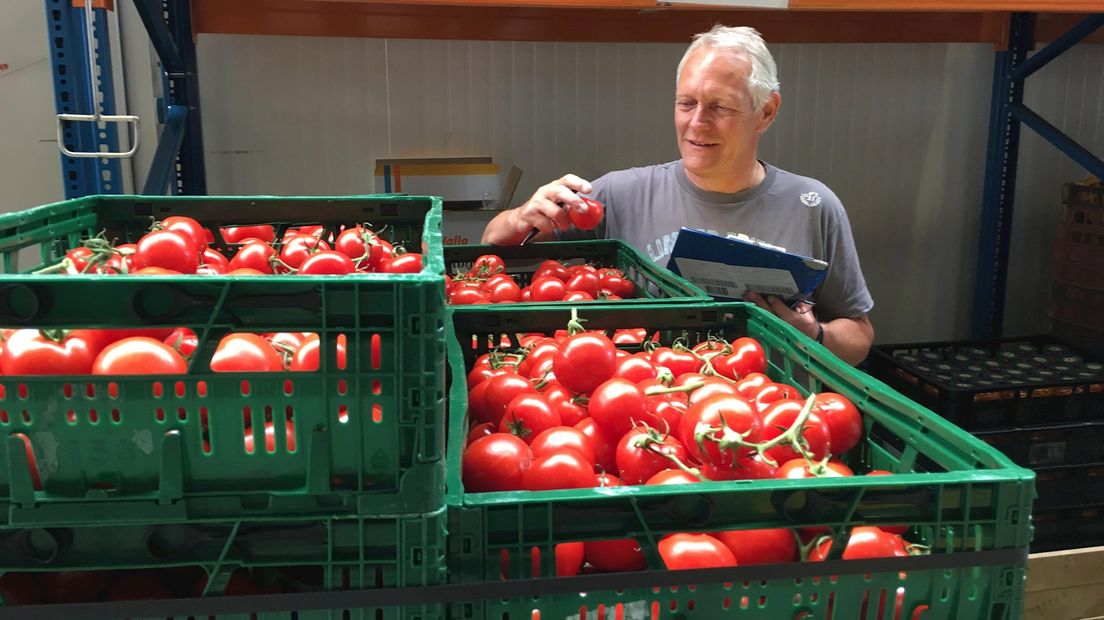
[
  {"x": 1007, "y": 113},
  {"x": 178, "y": 165},
  {"x": 73, "y": 94}
]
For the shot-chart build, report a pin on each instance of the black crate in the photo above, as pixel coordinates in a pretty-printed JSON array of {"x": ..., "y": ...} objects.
[
  {"x": 1069, "y": 487},
  {"x": 1068, "y": 528},
  {"x": 1050, "y": 446},
  {"x": 997, "y": 384}
]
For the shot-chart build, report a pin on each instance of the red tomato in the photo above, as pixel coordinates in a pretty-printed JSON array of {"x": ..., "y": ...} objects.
[
  {"x": 844, "y": 422},
  {"x": 723, "y": 413},
  {"x": 487, "y": 265},
  {"x": 585, "y": 281},
  {"x": 747, "y": 357},
  {"x": 683, "y": 551},
  {"x": 614, "y": 406},
  {"x": 640, "y": 456},
  {"x": 49, "y": 352},
  {"x": 306, "y": 358},
  {"x": 589, "y": 219},
  {"x": 547, "y": 289},
  {"x": 255, "y": 256},
  {"x": 469, "y": 296},
  {"x": 749, "y": 386},
  {"x": 483, "y": 429},
  {"x": 585, "y": 361},
  {"x": 246, "y": 353},
  {"x": 562, "y": 437},
  {"x": 564, "y": 469},
  {"x": 760, "y": 546},
  {"x": 299, "y": 248},
  {"x": 500, "y": 391},
  {"x": 495, "y": 463},
  {"x": 237, "y": 234},
  {"x": 635, "y": 369},
  {"x": 167, "y": 249},
  {"x": 505, "y": 291},
  {"x": 569, "y": 558},
  {"x": 550, "y": 268},
  {"x": 779, "y": 416},
  {"x": 528, "y": 415},
  {"x": 360, "y": 244},
  {"x": 327, "y": 263},
  {"x": 188, "y": 227},
  {"x": 213, "y": 258},
  {"x": 139, "y": 356},
  {"x": 404, "y": 263},
  {"x": 800, "y": 468},
  {"x": 245, "y": 271},
  {"x": 673, "y": 476},
  {"x": 78, "y": 257},
  {"x": 578, "y": 296},
  {"x": 605, "y": 455},
  {"x": 865, "y": 542},
  {"x": 615, "y": 556},
  {"x": 565, "y": 404},
  {"x": 630, "y": 336},
  {"x": 771, "y": 392},
  {"x": 617, "y": 284},
  {"x": 678, "y": 362},
  {"x": 183, "y": 340}
]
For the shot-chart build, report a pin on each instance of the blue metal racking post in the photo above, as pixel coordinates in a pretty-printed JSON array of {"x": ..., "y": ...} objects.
[
  {"x": 178, "y": 164},
  {"x": 74, "y": 95},
  {"x": 1012, "y": 67}
]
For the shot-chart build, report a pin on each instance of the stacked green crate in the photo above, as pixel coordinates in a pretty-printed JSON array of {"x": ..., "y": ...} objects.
[
  {"x": 364, "y": 446},
  {"x": 969, "y": 503}
]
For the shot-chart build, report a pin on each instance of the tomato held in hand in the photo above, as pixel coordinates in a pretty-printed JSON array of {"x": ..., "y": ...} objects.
[{"x": 589, "y": 219}]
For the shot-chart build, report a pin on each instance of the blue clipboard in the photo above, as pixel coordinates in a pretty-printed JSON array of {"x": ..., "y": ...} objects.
[{"x": 726, "y": 267}]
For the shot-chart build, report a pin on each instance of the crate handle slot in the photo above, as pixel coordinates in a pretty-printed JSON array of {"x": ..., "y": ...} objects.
[
  {"x": 23, "y": 304},
  {"x": 43, "y": 546}
]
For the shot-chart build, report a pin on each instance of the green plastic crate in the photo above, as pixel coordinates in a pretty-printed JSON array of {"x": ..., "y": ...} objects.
[
  {"x": 653, "y": 282},
  {"x": 369, "y": 437},
  {"x": 963, "y": 498},
  {"x": 325, "y": 555}
]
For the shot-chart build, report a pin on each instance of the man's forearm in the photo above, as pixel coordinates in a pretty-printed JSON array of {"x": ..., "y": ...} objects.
[{"x": 850, "y": 339}]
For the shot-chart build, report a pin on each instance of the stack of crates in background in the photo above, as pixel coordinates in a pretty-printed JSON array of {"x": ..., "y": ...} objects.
[
  {"x": 1077, "y": 297},
  {"x": 970, "y": 504},
  {"x": 121, "y": 487},
  {"x": 1038, "y": 400}
]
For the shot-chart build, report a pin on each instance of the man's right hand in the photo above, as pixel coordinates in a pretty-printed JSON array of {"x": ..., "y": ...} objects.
[{"x": 542, "y": 211}]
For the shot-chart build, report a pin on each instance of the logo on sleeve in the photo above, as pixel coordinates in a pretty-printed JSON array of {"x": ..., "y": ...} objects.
[{"x": 810, "y": 199}]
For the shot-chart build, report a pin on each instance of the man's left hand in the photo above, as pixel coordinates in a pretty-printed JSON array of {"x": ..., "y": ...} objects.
[{"x": 802, "y": 318}]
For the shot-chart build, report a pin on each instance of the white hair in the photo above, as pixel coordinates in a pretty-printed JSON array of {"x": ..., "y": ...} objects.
[{"x": 741, "y": 40}]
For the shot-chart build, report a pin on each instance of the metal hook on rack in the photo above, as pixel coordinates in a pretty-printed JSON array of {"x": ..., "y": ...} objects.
[{"x": 130, "y": 120}]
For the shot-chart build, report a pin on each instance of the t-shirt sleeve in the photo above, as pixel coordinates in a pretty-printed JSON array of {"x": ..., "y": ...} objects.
[{"x": 843, "y": 292}]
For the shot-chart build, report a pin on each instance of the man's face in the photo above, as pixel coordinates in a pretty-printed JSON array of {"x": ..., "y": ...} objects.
[{"x": 717, "y": 128}]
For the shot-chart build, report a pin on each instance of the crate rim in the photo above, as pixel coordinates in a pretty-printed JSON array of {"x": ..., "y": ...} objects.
[{"x": 433, "y": 267}]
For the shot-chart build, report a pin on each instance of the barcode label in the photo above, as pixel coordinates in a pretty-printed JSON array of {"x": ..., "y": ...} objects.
[
  {"x": 770, "y": 290},
  {"x": 719, "y": 291},
  {"x": 713, "y": 282}
]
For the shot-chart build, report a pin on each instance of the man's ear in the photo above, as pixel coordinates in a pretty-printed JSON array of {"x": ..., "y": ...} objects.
[{"x": 769, "y": 111}]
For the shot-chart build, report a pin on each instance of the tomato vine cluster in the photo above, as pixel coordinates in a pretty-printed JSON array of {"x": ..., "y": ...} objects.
[
  {"x": 488, "y": 283},
  {"x": 179, "y": 245}
]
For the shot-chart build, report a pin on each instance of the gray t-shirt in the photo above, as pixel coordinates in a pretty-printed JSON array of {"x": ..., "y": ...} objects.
[{"x": 646, "y": 207}]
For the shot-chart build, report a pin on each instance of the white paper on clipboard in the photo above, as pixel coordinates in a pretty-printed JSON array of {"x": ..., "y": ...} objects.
[{"x": 733, "y": 281}]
